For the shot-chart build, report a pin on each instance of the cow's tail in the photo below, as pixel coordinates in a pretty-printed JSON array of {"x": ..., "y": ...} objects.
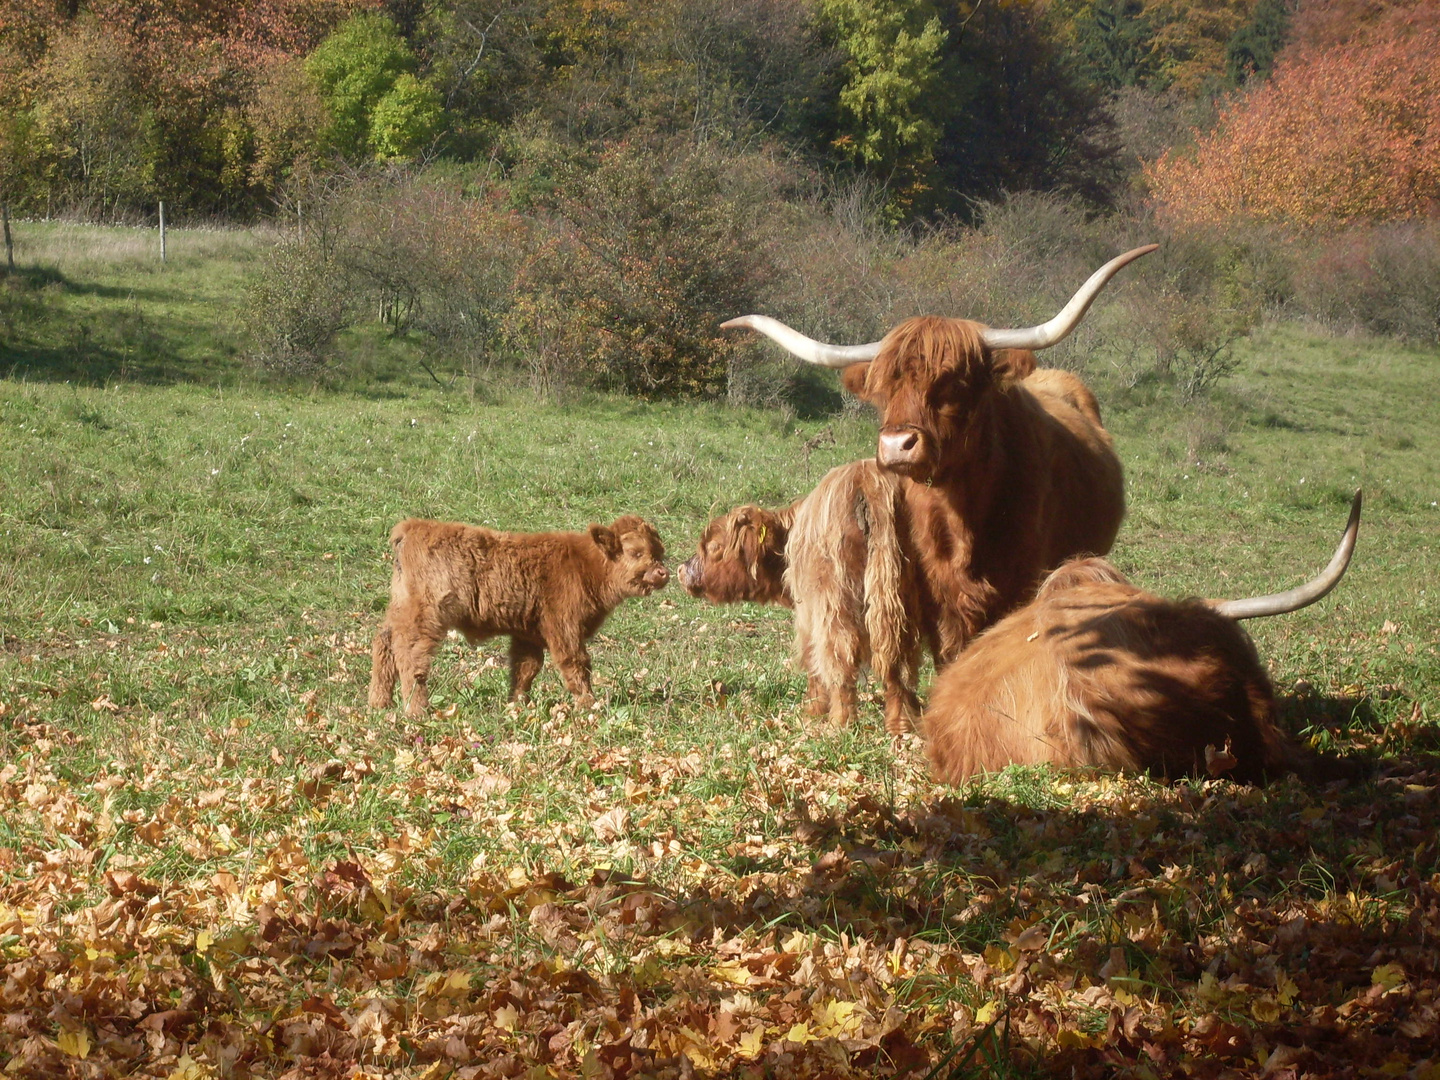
[
  {"x": 397, "y": 551},
  {"x": 829, "y": 622},
  {"x": 888, "y": 586}
]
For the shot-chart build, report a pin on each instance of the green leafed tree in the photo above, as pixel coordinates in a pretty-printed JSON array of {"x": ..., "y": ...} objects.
[
  {"x": 378, "y": 106},
  {"x": 1251, "y": 53},
  {"x": 406, "y": 119},
  {"x": 1114, "y": 41},
  {"x": 890, "y": 100},
  {"x": 96, "y": 131}
]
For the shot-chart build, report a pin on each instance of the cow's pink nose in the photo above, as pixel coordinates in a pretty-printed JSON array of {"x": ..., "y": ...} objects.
[{"x": 899, "y": 447}]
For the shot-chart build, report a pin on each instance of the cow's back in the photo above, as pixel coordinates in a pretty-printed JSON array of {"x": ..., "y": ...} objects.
[
  {"x": 1081, "y": 489},
  {"x": 480, "y": 580}
]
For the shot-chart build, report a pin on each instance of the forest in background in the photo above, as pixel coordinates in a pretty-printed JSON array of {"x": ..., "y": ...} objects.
[{"x": 586, "y": 188}]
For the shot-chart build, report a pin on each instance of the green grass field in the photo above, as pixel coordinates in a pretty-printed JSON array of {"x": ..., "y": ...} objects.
[{"x": 215, "y": 861}]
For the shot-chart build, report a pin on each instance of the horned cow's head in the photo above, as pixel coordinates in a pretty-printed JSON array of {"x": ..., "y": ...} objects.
[
  {"x": 926, "y": 382},
  {"x": 740, "y": 556},
  {"x": 927, "y": 374}
]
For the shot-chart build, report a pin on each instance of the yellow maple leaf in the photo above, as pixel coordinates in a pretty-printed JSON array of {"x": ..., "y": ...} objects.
[
  {"x": 1209, "y": 989},
  {"x": 999, "y": 957},
  {"x": 835, "y": 1018},
  {"x": 506, "y": 1017},
  {"x": 751, "y": 1043},
  {"x": 74, "y": 1043},
  {"x": 738, "y": 974},
  {"x": 1077, "y": 1040},
  {"x": 800, "y": 1033},
  {"x": 1388, "y": 975},
  {"x": 203, "y": 940},
  {"x": 187, "y": 1068},
  {"x": 1286, "y": 992},
  {"x": 986, "y": 1013},
  {"x": 1265, "y": 1009},
  {"x": 797, "y": 942}
]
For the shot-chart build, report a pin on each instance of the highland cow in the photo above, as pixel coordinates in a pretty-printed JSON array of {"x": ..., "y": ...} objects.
[
  {"x": 1013, "y": 471},
  {"x": 741, "y": 556},
  {"x": 840, "y": 558},
  {"x": 546, "y": 590},
  {"x": 1096, "y": 672}
]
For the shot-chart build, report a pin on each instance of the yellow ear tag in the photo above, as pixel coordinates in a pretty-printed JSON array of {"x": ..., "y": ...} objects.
[{"x": 763, "y": 533}]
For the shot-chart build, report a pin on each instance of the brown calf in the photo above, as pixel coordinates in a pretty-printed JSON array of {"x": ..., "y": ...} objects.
[
  {"x": 840, "y": 558},
  {"x": 741, "y": 556},
  {"x": 1095, "y": 672},
  {"x": 546, "y": 590}
]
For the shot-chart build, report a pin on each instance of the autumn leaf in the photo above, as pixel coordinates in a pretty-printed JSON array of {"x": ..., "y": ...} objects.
[
  {"x": 1286, "y": 991},
  {"x": 610, "y": 825},
  {"x": 1388, "y": 976},
  {"x": 1219, "y": 762},
  {"x": 74, "y": 1043},
  {"x": 752, "y": 1043},
  {"x": 1265, "y": 1009},
  {"x": 799, "y": 1033}
]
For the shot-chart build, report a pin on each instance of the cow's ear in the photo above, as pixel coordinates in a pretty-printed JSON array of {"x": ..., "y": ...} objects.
[
  {"x": 606, "y": 540},
  {"x": 853, "y": 378}
]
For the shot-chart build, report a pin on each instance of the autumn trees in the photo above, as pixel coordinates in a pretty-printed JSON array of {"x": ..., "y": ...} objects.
[{"x": 1347, "y": 129}]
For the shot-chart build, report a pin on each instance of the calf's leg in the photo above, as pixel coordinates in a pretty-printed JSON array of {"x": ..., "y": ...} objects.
[
  {"x": 573, "y": 661},
  {"x": 382, "y": 670},
  {"x": 526, "y": 660},
  {"x": 898, "y": 674}
]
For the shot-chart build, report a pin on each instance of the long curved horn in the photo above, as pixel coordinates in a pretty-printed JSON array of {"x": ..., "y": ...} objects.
[
  {"x": 1302, "y": 595},
  {"x": 807, "y": 349},
  {"x": 1059, "y": 328},
  {"x": 1034, "y": 337}
]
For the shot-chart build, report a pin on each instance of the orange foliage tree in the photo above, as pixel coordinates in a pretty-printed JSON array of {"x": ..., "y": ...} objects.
[{"x": 1345, "y": 130}]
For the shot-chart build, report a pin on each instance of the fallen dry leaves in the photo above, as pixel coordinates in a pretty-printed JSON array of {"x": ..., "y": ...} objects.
[{"x": 316, "y": 919}]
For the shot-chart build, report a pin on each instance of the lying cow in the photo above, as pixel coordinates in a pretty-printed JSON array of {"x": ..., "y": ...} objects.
[
  {"x": 546, "y": 590},
  {"x": 839, "y": 558},
  {"x": 1095, "y": 672}
]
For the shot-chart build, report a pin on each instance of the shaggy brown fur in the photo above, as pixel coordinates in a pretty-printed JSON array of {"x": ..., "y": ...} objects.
[
  {"x": 840, "y": 558},
  {"x": 1095, "y": 672},
  {"x": 546, "y": 590},
  {"x": 1011, "y": 475},
  {"x": 858, "y": 593},
  {"x": 741, "y": 556}
]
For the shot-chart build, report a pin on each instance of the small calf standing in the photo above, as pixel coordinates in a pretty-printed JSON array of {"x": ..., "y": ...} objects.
[
  {"x": 546, "y": 590},
  {"x": 1096, "y": 672}
]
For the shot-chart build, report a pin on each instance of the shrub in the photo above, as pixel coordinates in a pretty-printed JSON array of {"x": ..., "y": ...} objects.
[
  {"x": 642, "y": 260},
  {"x": 427, "y": 257},
  {"x": 1384, "y": 278},
  {"x": 296, "y": 305}
]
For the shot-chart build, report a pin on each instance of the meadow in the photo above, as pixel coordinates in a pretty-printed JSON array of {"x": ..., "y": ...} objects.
[{"x": 216, "y": 861}]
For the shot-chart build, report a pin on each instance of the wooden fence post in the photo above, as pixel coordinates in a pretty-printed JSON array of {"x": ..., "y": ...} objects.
[
  {"x": 9, "y": 242},
  {"x": 162, "y": 232}
]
